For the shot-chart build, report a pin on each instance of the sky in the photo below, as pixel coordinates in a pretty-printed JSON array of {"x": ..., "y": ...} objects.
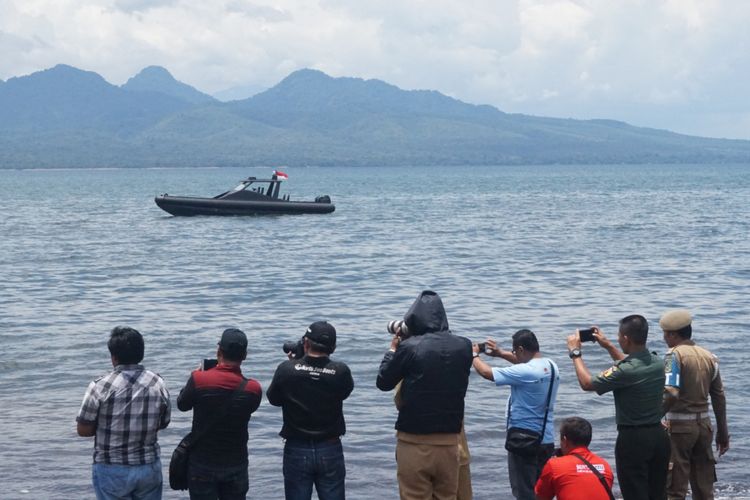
[{"x": 681, "y": 65}]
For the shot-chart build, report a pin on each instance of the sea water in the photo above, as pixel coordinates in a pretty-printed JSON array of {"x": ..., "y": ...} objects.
[{"x": 550, "y": 248}]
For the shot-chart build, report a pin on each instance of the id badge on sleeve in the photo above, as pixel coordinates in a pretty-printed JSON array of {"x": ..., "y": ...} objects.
[{"x": 671, "y": 371}]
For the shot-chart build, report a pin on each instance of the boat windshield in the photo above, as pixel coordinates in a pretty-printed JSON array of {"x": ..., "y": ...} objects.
[{"x": 242, "y": 185}]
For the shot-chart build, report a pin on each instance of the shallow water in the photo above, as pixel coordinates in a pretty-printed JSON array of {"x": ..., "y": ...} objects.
[{"x": 549, "y": 248}]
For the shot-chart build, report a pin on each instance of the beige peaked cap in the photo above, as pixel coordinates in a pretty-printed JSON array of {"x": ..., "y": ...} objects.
[{"x": 674, "y": 320}]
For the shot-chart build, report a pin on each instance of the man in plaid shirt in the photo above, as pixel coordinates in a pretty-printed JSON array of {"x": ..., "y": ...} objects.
[{"x": 124, "y": 410}]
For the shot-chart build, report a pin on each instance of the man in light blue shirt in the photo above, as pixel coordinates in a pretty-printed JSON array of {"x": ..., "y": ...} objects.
[{"x": 529, "y": 379}]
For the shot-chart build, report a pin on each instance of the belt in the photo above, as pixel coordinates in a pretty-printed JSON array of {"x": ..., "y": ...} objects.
[
  {"x": 313, "y": 442},
  {"x": 673, "y": 415},
  {"x": 639, "y": 426}
]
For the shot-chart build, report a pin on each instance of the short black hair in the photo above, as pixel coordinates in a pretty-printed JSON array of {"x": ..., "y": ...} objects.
[
  {"x": 635, "y": 327},
  {"x": 126, "y": 344},
  {"x": 233, "y": 354},
  {"x": 320, "y": 347},
  {"x": 577, "y": 430},
  {"x": 685, "y": 332},
  {"x": 526, "y": 339}
]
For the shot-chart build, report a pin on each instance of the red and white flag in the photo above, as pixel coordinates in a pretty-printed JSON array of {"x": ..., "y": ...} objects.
[{"x": 280, "y": 175}]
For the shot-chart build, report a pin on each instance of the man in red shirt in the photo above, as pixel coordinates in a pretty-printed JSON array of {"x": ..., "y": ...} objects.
[{"x": 568, "y": 477}]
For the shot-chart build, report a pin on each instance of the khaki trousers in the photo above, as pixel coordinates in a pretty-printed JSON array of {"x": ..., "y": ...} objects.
[
  {"x": 692, "y": 460},
  {"x": 464, "y": 483},
  {"x": 464, "y": 473},
  {"x": 427, "y": 471}
]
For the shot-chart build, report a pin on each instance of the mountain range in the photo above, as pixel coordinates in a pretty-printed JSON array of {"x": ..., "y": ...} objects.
[{"x": 67, "y": 117}]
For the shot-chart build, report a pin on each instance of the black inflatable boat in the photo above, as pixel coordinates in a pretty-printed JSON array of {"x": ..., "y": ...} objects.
[{"x": 251, "y": 197}]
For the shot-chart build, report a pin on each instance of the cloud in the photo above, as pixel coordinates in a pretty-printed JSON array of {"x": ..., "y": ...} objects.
[
  {"x": 679, "y": 64},
  {"x": 140, "y": 5},
  {"x": 263, "y": 12}
]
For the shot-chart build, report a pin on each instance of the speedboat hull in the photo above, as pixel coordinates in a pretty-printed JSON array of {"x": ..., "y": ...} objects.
[{"x": 190, "y": 206}]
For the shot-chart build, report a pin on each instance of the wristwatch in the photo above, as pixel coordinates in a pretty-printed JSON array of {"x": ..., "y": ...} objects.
[
  {"x": 574, "y": 353},
  {"x": 475, "y": 354}
]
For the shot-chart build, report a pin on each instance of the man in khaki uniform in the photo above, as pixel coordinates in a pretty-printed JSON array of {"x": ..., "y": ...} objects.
[{"x": 692, "y": 374}]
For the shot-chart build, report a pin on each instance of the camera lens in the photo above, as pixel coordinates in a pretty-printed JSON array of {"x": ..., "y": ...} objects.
[
  {"x": 295, "y": 348},
  {"x": 398, "y": 327}
]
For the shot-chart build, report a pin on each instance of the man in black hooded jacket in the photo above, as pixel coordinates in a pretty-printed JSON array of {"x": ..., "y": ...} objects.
[{"x": 434, "y": 366}]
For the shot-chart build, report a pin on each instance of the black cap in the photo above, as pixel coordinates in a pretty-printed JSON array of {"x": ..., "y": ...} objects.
[
  {"x": 233, "y": 342},
  {"x": 323, "y": 333}
]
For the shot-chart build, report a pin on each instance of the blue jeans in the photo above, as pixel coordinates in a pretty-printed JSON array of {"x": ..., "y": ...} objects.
[
  {"x": 320, "y": 463},
  {"x": 207, "y": 482},
  {"x": 127, "y": 482}
]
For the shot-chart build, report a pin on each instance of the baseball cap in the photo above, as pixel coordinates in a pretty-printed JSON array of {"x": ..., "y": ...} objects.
[
  {"x": 233, "y": 341},
  {"x": 322, "y": 332}
]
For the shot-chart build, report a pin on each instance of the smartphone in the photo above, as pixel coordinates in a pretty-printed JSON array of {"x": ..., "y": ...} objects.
[
  {"x": 482, "y": 347},
  {"x": 586, "y": 335},
  {"x": 207, "y": 364}
]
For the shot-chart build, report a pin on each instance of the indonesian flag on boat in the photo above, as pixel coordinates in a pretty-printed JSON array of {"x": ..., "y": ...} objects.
[{"x": 280, "y": 175}]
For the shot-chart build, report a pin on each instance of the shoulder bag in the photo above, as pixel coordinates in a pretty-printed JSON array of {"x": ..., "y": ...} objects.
[
  {"x": 525, "y": 442},
  {"x": 178, "y": 464},
  {"x": 601, "y": 477}
]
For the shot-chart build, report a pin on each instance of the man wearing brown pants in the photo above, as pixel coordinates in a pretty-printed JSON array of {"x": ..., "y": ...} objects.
[
  {"x": 692, "y": 375},
  {"x": 464, "y": 457},
  {"x": 434, "y": 366}
]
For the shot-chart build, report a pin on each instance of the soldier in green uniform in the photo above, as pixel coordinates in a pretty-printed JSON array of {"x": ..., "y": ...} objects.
[
  {"x": 637, "y": 382},
  {"x": 692, "y": 374}
]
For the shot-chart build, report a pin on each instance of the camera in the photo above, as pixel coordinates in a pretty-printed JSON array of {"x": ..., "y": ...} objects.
[
  {"x": 295, "y": 348},
  {"x": 398, "y": 327},
  {"x": 207, "y": 364},
  {"x": 482, "y": 347},
  {"x": 586, "y": 335}
]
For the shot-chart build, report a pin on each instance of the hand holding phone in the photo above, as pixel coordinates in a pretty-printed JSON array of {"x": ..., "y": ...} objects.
[
  {"x": 586, "y": 335},
  {"x": 207, "y": 364}
]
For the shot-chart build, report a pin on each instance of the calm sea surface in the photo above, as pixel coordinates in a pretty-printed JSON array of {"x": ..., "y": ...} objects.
[{"x": 548, "y": 248}]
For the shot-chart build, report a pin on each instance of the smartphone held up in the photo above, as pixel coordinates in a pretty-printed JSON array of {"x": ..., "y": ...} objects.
[
  {"x": 207, "y": 364},
  {"x": 586, "y": 335}
]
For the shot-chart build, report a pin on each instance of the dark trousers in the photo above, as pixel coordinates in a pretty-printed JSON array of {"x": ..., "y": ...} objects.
[
  {"x": 642, "y": 459},
  {"x": 309, "y": 463},
  {"x": 524, "y": 471},
  {"x": 207, "y": 482}
]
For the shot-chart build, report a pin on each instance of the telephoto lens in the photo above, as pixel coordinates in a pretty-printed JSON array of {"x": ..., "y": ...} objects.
[
  {"x": 398, "y": 327},
  {"x": 295, "y": 348},
  {"x": 393, "y": 326}
]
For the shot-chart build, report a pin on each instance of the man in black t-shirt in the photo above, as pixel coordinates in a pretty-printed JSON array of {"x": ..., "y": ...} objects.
[{"x": 311, "y": 391}]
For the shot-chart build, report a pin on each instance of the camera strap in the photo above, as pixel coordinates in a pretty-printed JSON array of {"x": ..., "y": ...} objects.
[{"x": 601, "y": 477}]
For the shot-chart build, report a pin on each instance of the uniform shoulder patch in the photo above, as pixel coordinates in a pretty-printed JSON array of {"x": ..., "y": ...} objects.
[
  {"x": 668, "y": 360},
  {"x": 609, "y": 372}
]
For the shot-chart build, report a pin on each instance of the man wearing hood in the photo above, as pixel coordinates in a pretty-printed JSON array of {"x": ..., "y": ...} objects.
[{"x": 433, "y": 367}]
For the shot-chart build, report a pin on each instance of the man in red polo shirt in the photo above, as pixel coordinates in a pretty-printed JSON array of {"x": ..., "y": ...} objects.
[{"x": 568, "y": 477}]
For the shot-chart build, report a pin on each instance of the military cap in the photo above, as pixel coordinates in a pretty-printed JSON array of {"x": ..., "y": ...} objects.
[{"x": 674, "y": 320}]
